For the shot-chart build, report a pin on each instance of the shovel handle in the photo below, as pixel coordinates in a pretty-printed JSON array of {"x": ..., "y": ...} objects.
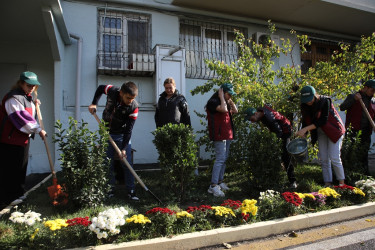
[
  {"x": 45, "y": 140},
  {"x": 123, "y": 158},
  {"x": 367, "y": 114}
]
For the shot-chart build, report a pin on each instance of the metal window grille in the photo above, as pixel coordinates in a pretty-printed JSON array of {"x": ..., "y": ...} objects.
[
  {"x": 202, "y": 41},
  {"x": 124, "y": 43}
]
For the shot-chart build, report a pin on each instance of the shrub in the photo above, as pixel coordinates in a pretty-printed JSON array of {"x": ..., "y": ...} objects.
[
  {"x": 258, "y": 154},
  {"x": 351, "y": 156},
  {"x": 83, "y": 162},
  {"x": 177, "y": 156}
]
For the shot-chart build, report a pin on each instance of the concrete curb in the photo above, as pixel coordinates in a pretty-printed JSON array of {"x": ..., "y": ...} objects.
[{"x": 248, "y": 232}]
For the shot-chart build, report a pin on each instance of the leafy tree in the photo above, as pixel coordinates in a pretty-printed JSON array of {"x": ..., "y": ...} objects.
[{"x": 257, "y": 82}]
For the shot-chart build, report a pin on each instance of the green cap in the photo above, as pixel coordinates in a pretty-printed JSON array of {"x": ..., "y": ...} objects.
[
  {"x": 228, "y": 88},
  {"x": 370, "y": 83},
  {"x": 307, "y": 94},
  {"x": 249, "y": 113},
  {"x": 30, "y": 78}
]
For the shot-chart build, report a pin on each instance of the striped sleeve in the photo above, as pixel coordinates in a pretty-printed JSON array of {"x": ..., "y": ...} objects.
[
  {"x": 102, "y": 89},
  {"x": 134, "y": 115},
  {"x": 20, "y": 117}
]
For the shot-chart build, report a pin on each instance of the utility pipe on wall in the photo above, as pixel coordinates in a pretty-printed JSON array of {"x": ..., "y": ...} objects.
[{"x": 78, "y": 76}]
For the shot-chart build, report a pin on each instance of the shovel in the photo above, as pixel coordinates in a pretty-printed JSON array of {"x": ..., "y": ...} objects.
[
  {"x": 123, "y": 159},
  {"x": 55, "y": 191},
  {"x": 367, "y": 114}
]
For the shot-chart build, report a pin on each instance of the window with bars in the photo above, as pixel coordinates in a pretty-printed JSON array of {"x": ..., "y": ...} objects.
[
  {"x": 207, "y": 41},
  {"x": 121, "y": 38}
]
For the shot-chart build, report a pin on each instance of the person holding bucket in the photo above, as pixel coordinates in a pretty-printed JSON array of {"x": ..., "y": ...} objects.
[
  {"x": 280, "y": 125},
  {"x": 320, "y": 117},
  {"x": 17, "y": 125}
]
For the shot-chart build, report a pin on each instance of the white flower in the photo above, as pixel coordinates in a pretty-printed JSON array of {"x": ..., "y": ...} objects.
[{"x": 108, "y": 220}]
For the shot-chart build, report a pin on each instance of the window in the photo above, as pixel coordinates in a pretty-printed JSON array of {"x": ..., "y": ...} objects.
[
  {"x": 120, "y": 36},
  {"x": 318, "y": 51},
  {"x": 207, "y": 41}
]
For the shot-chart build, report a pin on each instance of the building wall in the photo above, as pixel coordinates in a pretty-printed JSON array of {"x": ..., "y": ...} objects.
[
  {"x": 81, "y": 19},
  {"x": 36, "y": 58}
]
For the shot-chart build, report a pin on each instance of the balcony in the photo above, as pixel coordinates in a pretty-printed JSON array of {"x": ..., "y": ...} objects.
[{"x": 126, "y": 64}]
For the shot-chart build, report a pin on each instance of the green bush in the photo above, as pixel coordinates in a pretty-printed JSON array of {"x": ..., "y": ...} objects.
[
  {"x": 177, "y": 156},
  {"x": 83, "y": 162},
  {"x": 351, "y": 157},
  {"x": 258, "y": 154}
]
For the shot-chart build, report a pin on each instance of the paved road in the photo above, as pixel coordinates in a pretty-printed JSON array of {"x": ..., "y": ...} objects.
[{"x": 348, "y": 235}]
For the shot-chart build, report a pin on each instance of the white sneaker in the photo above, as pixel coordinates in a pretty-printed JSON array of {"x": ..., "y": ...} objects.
[
  {"x": 216, "y": 191},
  {"x": 223, "y": 186}
]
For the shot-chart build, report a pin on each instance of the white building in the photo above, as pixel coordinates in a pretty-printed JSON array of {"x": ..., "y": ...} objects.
[{"x": 74, "y": 46}]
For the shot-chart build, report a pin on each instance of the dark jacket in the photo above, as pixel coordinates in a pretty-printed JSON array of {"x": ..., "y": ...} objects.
[
  {"x": 276, "y": 122},
  {"x": 220, "y": 125},
  {"x": 324, "y": 115},
  {"x": 173, "y": 110},
  {"x": 355, "y": 115},
  {"x": 120, "y": 117}
]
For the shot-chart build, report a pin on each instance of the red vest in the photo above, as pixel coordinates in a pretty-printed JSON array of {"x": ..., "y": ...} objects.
[
  {"x": 354, "y": 115},
  {"x": 9, "y": 134},
  {"x": 220, "y": 126},
  {"x": 334, "y": 127}
]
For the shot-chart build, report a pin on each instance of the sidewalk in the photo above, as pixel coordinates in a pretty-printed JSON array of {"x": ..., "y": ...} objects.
[{"x": 248, "y": 232}]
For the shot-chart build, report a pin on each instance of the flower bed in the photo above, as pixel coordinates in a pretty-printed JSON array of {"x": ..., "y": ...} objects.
[{"x": 115, "y": 225}]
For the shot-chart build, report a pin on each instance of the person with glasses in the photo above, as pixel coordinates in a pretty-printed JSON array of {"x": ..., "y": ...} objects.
[{"x": 17, "y": 125}]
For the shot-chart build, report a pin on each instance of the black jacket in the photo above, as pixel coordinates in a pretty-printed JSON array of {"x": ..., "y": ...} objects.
[{"x": 173, "y": 110}]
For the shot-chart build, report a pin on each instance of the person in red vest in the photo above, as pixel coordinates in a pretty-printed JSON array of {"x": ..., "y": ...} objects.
[
  {"x": 17, "y": 125},
  {"x": 320, "y": 117},
  {"x": 356, "y": 117},
  {"x": 220, "y": 108},
  {"x": 280, "y": 125}
]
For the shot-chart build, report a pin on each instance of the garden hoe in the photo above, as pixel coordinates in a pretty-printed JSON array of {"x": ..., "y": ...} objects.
[
  {"x": 55, "y": 191},
  {"x": 367, "y": 113},
  {"x": 128, "y": 165}
]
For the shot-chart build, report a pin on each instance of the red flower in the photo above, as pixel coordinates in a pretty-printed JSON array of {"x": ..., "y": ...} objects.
[
  {"x": 292, "y": 198},
  {"x": 160, "y": 210},
  {"x": 245, "y": 216},
  {"x": 202, "y": 208},
  {"x": 79, "y": 221},
  {"x": 344, "y": 187},
  {"x": 232, "y": 204}
]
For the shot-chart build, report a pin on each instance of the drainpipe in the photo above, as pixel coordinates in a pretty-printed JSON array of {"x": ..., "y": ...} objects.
[{"x": 78, "y": 77}]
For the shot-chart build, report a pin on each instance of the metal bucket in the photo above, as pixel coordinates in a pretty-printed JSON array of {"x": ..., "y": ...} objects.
[{"x": 298, "y": 149}]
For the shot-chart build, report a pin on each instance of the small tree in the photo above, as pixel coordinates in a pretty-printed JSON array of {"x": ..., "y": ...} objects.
[
  {"x": 84, "y": 163},
  {"x": 177, "y": 156}
]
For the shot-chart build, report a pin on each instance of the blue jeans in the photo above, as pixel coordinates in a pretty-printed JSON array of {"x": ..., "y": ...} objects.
[
  {"x": 111, "y": 152},
  {"x": 221, "y": 155}
]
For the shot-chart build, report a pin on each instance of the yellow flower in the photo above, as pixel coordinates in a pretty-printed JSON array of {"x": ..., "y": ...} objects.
[
  {"x": 359, "y": 191},
  {"x": 219, "y": 210},
  {"x": 184, "y": 214},
  {"x": 329, "y": 192},
  {"x": 55, "y": 224},
  {"x": 34, "y": 234},
  {"x": 305, "y": 195},
  {"x": 248, "y": 206},
  {"x": 140, "y": 219}
]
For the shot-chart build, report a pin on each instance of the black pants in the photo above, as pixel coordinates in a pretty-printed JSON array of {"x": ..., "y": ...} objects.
[
  {"x": 285, "y": 157},
  {"x": 14, "y": 160}
]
